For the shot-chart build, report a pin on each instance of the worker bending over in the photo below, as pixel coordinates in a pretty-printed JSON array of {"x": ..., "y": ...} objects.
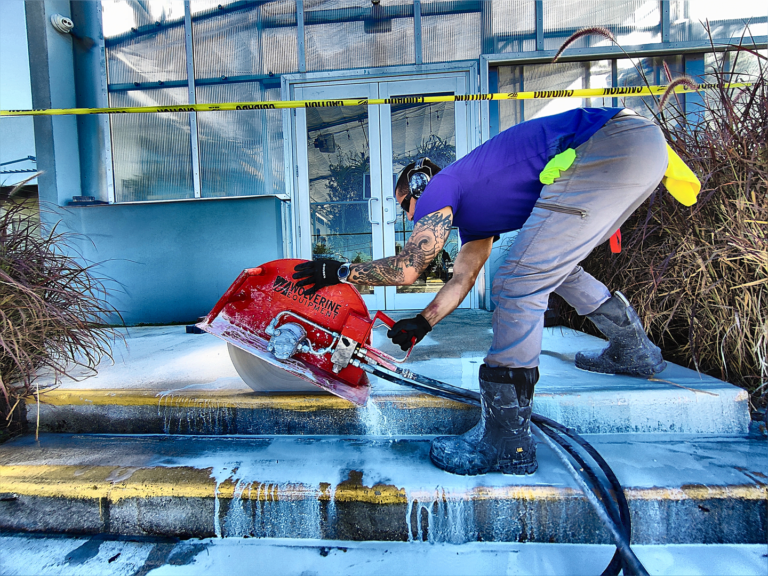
[{"x": 620, "y": 158}]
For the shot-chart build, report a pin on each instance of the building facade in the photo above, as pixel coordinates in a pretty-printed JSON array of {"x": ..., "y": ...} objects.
[{"x": 190, "y": 199}]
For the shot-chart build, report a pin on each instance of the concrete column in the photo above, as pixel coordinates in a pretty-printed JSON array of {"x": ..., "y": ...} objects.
[
  {"x": 53, "y": 86},
  {"x": 91, "y": 92}
]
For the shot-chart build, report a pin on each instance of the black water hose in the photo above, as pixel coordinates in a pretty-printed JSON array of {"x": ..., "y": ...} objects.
[
  {"x": 616, "y": 514},
  {"x": 620, "y": 517},
  {"x": 618, "y": 492}
]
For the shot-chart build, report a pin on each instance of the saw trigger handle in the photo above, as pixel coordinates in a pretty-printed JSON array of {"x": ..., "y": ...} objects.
[
  {"x": 384, "y": 318},
  {"x": 389, "y": 323}
]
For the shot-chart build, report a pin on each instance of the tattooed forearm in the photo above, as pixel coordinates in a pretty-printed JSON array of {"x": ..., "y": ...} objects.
[
  {"x": 384, "y": 272},
  {"x": 427, "y": 239}
]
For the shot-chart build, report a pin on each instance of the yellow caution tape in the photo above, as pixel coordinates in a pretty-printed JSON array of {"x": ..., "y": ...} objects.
[{"x": 278, "y": 104}]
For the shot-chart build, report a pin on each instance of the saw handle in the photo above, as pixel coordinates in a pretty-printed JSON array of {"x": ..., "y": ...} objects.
[
  {"x": 384, "y": 318},
  {"x": 390, "y": 323}
]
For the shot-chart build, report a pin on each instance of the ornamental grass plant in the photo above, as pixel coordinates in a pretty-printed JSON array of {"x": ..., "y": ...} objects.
[
  {"x": 698, "y": 276},
  {"x": 53, "y": 310}
]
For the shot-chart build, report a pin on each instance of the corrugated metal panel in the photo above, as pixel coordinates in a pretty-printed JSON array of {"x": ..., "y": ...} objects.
[
  {"x": 239, "y": 42},
  {"x": 158, "y": 56},
  {"x": 513, "y": 25},
  {"x": 632, "y": 21},
  {"x": 241, "y": 152},
  {"x": 151, "y": 152},
  {"x": 448, "y": 37},
  {"x": 358, "y": 39},
  {"x": 687, "y": 18},
  {"x": 120, "y": 16},
  {"x": 149, "y": 58}
]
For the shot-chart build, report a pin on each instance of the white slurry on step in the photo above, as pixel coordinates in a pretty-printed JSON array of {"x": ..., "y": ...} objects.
[
  {"x": 282, "y": 485},
  {"x": 237, "y": 521},
  {"x": 449, "y": 518},
  {"x": 332, "y": 516},
  {"x": 264, "y": 509},
  {"x": 208, "y": 416},
  {"x": 216, "y": 511},
  {"x": 374, "y": 420}
]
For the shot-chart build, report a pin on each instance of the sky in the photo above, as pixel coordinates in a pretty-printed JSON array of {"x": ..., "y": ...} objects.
[{"x": 15, "y": 89}]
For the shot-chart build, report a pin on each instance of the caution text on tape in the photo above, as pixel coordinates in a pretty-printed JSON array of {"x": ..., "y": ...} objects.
[{"x": 281, "y": 104}]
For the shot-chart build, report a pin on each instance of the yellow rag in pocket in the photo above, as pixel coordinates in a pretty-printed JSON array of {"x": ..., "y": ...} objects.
[{"x": 680, "y": 180}]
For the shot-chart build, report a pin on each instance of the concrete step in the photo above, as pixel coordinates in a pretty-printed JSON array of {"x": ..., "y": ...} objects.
[
  {"x": 167, "y": 381},
  {"x": 76, "y": 555},
  {"x": 681, "y": 489},
  {"x": 681, "y": 402}
]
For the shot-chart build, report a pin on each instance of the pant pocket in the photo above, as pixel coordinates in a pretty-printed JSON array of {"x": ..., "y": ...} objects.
[{"x": 562, "y": 209}]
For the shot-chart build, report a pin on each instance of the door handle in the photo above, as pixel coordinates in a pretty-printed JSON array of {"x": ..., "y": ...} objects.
[
  {"x": 370, "y": 211},
  {"x": 394, "y": 210}
]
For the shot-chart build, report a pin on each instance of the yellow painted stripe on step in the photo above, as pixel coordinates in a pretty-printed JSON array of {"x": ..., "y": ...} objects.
[
  {"x": 188, "y": 399},
  {"x": 116, "y": 483},
  {"x": 110, "y": 482},
  {"x": 230, "y": 399},
  {"x": 700, "y": 492}
]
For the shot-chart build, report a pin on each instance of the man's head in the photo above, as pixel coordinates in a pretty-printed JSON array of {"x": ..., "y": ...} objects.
[{"x": 411, "y": 182}]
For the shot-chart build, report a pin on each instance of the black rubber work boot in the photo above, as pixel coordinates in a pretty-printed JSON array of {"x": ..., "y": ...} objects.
[
  {"x": 502, "y": 440},
  {"x": 629, "y": 351}
]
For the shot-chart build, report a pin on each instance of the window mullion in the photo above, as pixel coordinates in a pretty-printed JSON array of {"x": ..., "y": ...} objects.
[{"x": 192, "y": 98}]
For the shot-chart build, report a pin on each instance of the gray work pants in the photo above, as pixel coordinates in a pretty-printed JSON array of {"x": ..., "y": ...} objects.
[{"x": 614, "y": 172}]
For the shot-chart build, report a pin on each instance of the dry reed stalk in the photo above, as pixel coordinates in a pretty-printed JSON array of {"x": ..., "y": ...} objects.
[
  {"x": 698, "y": 275},
  {"x": 53, "y": 308}
]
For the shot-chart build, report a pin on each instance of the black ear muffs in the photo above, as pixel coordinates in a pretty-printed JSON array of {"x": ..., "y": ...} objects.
[{"x": 418, "y": 177}]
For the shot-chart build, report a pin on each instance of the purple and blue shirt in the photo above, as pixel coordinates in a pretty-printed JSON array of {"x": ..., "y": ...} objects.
[{"x": 492, "y": 189}]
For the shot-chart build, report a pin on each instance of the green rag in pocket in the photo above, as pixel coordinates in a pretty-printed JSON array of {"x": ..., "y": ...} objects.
[{"x": 558, "y": 164}]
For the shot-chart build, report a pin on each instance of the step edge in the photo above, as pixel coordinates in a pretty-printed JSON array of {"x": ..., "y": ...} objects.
[{"x": 119, "y": 483}]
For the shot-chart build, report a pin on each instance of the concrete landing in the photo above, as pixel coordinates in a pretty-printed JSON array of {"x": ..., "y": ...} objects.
[
  {"x": 72, "y": 556},
  {"x": 681, "y": 489},
  {"x": 166, "y": 381}
]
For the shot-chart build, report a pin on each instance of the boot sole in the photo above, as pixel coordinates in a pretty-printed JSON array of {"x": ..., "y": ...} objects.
[
  {"x": 518, "y": 470},
  {"x": 513, "y": 468},
  {"x": 644, "y": 372}
]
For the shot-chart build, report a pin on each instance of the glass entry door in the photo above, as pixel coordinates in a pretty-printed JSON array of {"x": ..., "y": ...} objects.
[
  {"x": 415, "y": 130},
  {"x": 348, "y": 159}
]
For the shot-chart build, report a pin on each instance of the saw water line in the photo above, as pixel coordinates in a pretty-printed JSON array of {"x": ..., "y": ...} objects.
[
  {"x": 325, "y": 339},
  {"x": 635, "y": 91},
  {"x": 611, "y": 508}
]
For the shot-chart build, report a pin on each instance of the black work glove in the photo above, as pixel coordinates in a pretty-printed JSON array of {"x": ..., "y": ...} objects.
[
  {"x": 404, "y": 331},
  {"x": 322, "y": 272}
]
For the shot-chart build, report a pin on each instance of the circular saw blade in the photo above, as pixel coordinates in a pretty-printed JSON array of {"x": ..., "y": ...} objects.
[{"x": 261, "y": 376}]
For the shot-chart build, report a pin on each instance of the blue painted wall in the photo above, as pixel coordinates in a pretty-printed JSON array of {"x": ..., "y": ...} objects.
[
  {"x": 171, "y": 262},
  {"x": 168, "y": 262}
]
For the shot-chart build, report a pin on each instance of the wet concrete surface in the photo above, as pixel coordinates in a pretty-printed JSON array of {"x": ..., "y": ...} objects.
[
  {"x": 51, "y": 555},
  {"x": 166, "y": 358},
  {"x": 174, "y": 366},
  {"x": 681, "y": 489}
]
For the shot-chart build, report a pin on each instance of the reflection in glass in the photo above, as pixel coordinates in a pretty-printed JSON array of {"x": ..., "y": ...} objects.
[
  {"x": 340, "y": 184},
  {"x": 420, "y": 130},
  {"x": 561, "y": 76},
  {"x": 639, "y": 71}
]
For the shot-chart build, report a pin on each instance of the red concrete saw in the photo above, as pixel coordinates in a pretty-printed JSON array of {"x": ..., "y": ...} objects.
[
  {"x": 273, "y": 330},
  {"x": 280, "y": 339}
]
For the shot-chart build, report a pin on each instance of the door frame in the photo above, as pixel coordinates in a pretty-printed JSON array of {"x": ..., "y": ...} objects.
[
  {"x": 401, "y": 87},
  {"x": 335, "y": 91},
  {"x": 297, "y": 213}
]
